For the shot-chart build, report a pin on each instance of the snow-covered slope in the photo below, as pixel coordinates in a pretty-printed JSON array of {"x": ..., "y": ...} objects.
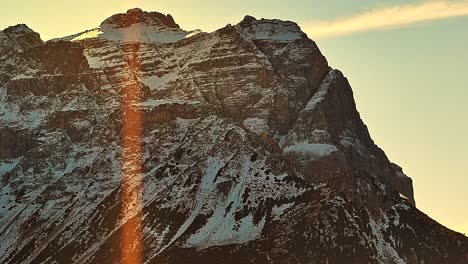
[
  {"x": 136, "y": 26},
  {"x": 252, "y": 151}
]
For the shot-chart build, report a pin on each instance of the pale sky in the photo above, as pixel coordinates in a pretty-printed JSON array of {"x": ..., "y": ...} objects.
[{"x": 407, "y": 62}]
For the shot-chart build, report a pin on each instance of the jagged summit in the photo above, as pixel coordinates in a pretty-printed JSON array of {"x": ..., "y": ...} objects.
[
  {"x": 138, "y": 16},
  {"x": 19, "y": 37},
  {"x": 272, "y": 29},
  {"x": 136, "y": 25},
  {"x": 248, "y": 19},
  {"x": 19, "y": 29}
]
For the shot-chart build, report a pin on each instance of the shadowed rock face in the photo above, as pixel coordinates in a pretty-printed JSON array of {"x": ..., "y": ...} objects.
[
  {"x": 20, "y": 36},
  {"x": 253, "y": 151}
]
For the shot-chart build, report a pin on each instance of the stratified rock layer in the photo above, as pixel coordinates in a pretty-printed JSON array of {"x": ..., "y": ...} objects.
[{"x": 253, "y": 151}]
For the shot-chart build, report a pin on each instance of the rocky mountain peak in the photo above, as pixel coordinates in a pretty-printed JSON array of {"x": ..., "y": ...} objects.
[
  {"x": 138, "y": 16},
  {"x": 21, "y": 36},
  {"x": 251, "y": 151},
  {"x": 270, "y": 29},
  {"x": 248, "y": 19},
  {"x": 135, "y": 26},
  {"x": 19, "y": 29}
]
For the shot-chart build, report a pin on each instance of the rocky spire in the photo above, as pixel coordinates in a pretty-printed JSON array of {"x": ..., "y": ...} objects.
[{"x": 22, "y": 35}]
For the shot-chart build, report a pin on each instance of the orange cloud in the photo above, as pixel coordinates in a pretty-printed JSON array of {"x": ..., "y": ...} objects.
[{"x": 388, "y": 17}]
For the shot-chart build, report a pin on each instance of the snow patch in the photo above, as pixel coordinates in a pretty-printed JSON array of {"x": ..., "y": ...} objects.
[
  {"x": 22, "y": 77},
  {"x": 256, "y": 125},
  {"x": 222, "y": 228},
  {"x": 7, "y": 166},
  {"x": 318, "y": 97},
  {"x": 152, "y": 103},
  {"x": 221, "y": 231},
  {"x": 135, "y": 33},
  {"x": 12, "y": 115},
  {"x": 183, "y": 123},
  {"x": 277, "y": 211},
  {"x": 94, "y": 33},
  {"x": 138, "y": 32},
  {"x": 206, "y": 188},
  {"x": 317, "y": 150},
  {"x": 158, "y": 82},
  {"x": 94, "y": 62},
  {"x": 193, "y": 33},
  {"x": 385, "y": 252},
  {"x": 403, "y": 196}
]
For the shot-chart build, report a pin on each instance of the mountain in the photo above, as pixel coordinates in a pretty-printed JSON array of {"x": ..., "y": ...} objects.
[{"x": 138, "y": 141}]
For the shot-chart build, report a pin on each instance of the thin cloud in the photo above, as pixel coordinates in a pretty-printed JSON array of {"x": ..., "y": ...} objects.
[{"x": 388, "y": 17}]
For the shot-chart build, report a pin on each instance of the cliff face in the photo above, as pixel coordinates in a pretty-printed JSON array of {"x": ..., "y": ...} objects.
[{"x": 241, "y": 145}]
